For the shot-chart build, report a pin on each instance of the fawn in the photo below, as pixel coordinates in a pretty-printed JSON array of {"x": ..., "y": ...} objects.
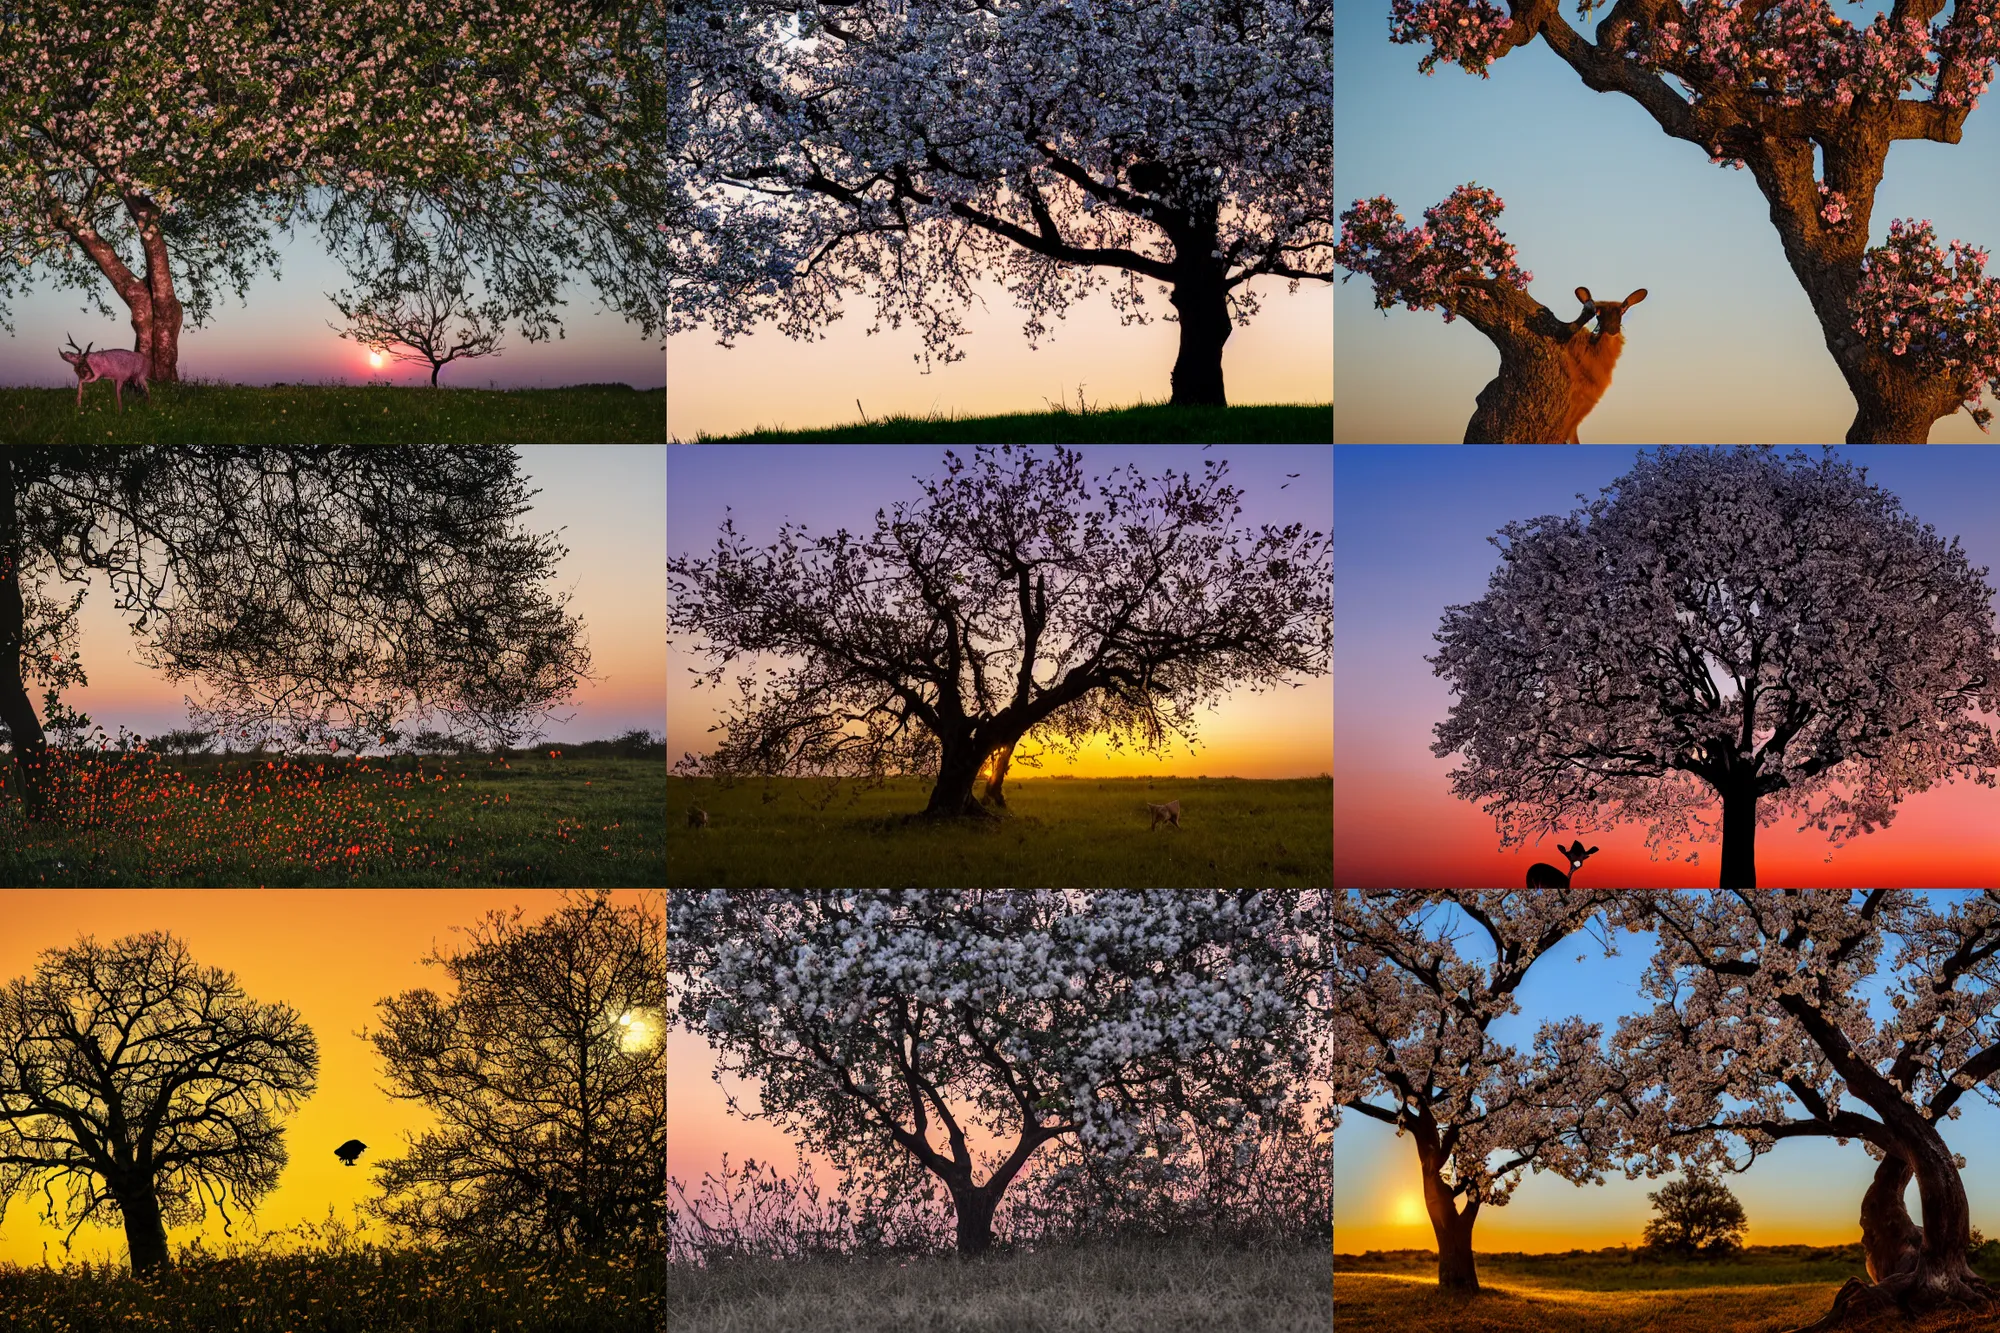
[
  {"x": 1542, "y": 876},
  {"x": 1591, "y": 356}
]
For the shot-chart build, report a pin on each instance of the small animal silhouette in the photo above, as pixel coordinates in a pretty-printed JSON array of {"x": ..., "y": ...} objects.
[
  {"x": 1170, "y": 813},
  {"x": 349, "y": 1150},
  {"x": 1541, "y": 876},
  {"x": 1592, "y": 356},
  {"x": 697, "y": 817}
]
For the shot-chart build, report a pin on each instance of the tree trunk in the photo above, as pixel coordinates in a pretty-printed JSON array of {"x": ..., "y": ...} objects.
[
  {"x": 952, "y": 794},
  {"x": 131, "y": 289},
  {"x": 145, "y": 1236},
  {"x": 1452, "y": 1225},
  {"x": 974, "y": 1207},
  {"x": 1203, "y": 305},
  {"x": 995, "y": 790},
  {"x": 1889, "y": 1238},
  {"x": 1739, "y": 836},
  {"x": 24, "y": 728},
  {"x": 165, "y": 353},
  {"x": 435, "y": 368}
]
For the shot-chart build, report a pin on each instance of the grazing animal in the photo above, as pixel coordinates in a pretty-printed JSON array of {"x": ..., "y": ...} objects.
[
  {"x": 1169, "y": 813},
  {"x": 1592, "y": 356},
  {"x": 1542, "y": 876},
  {"x": 117, "y": 365},
  {"x": 697, "y": 817},
  {"x": 349, "y": 1150}
]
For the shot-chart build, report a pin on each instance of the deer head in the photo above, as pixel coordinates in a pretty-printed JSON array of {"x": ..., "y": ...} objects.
[{"x": 1610, "y": 315}]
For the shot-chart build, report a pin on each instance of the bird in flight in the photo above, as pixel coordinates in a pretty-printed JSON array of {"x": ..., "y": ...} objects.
[
  {"x": 349, "y": 1150},
  {"x": 1288, "y": 485}
]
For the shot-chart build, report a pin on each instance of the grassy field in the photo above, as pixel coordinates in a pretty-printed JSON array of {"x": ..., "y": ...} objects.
[
  {"x": 1151, "y": 423},
  {"x": 1159, "y": 1288},
  {"x": 195, "y": 412},
  {"x": 524, "y": 819},
  {"x": 1767, "y": 1289},
  {"x": 1059, "y": 832},
  {"x": 368, "y": 1291}
]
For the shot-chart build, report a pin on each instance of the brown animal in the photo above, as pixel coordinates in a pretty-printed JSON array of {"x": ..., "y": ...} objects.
[
  {"x": 697, "y": 817},
  {"x": 1170, "y": 813},
  {"x": 1543, "y": 876},
  {"x": 1592, "y": 356}
]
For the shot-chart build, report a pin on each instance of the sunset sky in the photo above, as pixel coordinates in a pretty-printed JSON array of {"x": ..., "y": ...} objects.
[
  {"x": 1725, "y": 348},
  {"x": 1279, "y": 733},
  {"x": 280, "y": 334},
  {"x": 1284, "y": 355},
  {"x": 1412, "y": 527},
  {"x": 609, "y": 501},
  {"x": 1804, "y": 1192},
  {"x": 330, "y": 954}
]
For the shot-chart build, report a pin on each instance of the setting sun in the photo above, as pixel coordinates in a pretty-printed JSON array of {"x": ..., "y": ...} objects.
[
  {"x": 375, "y": 358},
  {"x": 1409, "y": 1211}
]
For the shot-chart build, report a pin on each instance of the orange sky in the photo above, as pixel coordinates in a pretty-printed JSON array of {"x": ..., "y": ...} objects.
[{"x": 331, "y": 954}]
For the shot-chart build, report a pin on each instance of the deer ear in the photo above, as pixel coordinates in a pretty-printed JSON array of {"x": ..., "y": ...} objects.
[
  {"x": 1591, "y": 852},
  {"x": 1636, "y": 297},
  {"x": 1583, "y": 295}
]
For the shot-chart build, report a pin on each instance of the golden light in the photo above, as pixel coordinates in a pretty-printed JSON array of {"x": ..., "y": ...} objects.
[
  {"x": 1410, "y": 1211},
  {"x": 374, "y": 358},
  {"x": 638, "y": 1034}
]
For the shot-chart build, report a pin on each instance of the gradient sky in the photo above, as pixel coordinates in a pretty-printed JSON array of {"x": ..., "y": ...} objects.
[
  {"x": 280, "y": 334},
  {"x": 1412, "y": 526},
  {"x": 1285, "y": 355},
  {"x": 1725, "y": 348},
  {"x": 1279, "y": 733},
  {"x": 1804, "y": 1192},
  {"x": 608, "y": 500},
  {"x": 330, "y": 954}
]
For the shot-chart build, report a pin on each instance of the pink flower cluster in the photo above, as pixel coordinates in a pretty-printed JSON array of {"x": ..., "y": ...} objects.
[
  {"x": 1936, "y": 306},
  {"x": 1469, "y": 35},
  {"x": 1832, "y": 206},
  {"x": 1417, "y": 266}
]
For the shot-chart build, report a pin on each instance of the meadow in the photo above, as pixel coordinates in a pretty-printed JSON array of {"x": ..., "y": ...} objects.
[
  {"x": 1766, "y": 1289},
  {"x": 1058, "y": 832},
  {"x": 202, "y": 412},
  {"x": 1148, "y": 423},
  {"x": 366, "y": 1290},
  {"x": 534, "y": 818}
]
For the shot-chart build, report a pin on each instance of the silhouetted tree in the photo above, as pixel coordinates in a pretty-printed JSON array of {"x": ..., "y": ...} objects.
[
  {"x": 320, "y": 591},
  {"x": 425, "y": 310},
  {"x": 134, "y": 1079},
  {"x": 546, "y": 1070},
  {"x": 1697, "y": 1215}
]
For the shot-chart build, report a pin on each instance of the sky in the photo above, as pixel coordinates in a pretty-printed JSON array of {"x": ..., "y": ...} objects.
[
  {"x": 1411, "y": 530},
  {"x": 1279, "y": 733},
  {"x": 330, "y": 954},
  {"x": 1804, "y": 1192},
  {"x": 608, "y": 502},
  {"x": 1285, "y": 355},
  {"x": 279, "y": 334},
  {"x": 1725, "y": 348}
]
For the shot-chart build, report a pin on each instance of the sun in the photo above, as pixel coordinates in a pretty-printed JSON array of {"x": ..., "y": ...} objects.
[
  {"x": 375, "y": 358},
  {"x": 1409, "y": 1211},
  {"x": 638, "y": 1034}
]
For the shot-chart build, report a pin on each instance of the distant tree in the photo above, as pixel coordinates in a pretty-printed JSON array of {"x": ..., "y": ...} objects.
[
  {"x": 186, "y": 740},
  {"x": 1697, "y": 1215},
  {"x": 426, "y": 311},
  {"x": 134, "y": 1080},
  {"x": 1745, "y": 629},
  {"x": 546, "y": 1070}
]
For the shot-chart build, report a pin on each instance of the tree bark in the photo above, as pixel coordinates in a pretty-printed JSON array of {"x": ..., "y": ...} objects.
[
  {"x": 1528, "y": 401},
  {"x": 1889, "y": 1238},
  {"x": 995, "y": 789},
  {"x": 165, "y": 353},
  {"x": 1739, "y": 836},
  {"x": 1452, "y": 1225},
  {"x": 131, "y": 289},
  {"x": 1203, "y": 305},
  {"x": 16, "y": 710},
  {"x": 958, "y": 770},
  {"x": 145, "y": 1235},
  {"x": 974, "y": 1207}
]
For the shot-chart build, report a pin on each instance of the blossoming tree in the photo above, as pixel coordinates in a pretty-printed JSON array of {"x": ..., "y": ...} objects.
[
  {"x": 1761, "y": 1033},
  {"x": 884, "y": 1025},
  {"x": 916, "y": 147},
  {"x": 1763, "y": 632},
  {"x": 1810, "y": 103},
  {"x": 1412, "y": 1046}
]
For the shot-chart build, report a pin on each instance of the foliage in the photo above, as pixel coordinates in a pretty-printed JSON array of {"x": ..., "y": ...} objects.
[
  {"x": 1418, "y": 266},
  {"x": 1156, "y": 423},
  {"x": 1936, "y": 308},
  {"x": 1697, "y": 1215},
  {"x": 1061, "y": 833}
]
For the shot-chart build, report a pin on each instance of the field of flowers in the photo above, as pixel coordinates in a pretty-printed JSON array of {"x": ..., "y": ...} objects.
[{"x": 361, "y": 1291}]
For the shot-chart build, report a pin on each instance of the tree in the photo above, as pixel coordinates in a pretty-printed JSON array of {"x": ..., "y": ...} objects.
[
  {"x": 1763, "y": 631},
  {"x": 916, "y": 149},
  {"x": 875, "y": 1022},
  {"x": 190, "y": 131},
  {"x": 1411, "y": 1047},
  {"x": 1012, "y": 598},
  {"x": 1460, "y": 263},
  {"x": 1810, "y": 104},
  {"x": 319, "y": 591},
  {"x": 1761, "y": 1032},
  {"x": 415, "y": 312},
  {"x": 140, "y": 1081},
  {"x": 1697, "y": 1215},
  {"x": 547, "y": 1073}
]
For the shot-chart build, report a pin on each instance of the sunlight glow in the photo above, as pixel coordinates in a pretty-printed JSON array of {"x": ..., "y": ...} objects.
[
  {"x": 638, "y": 1034},
  {"x": 1410, "y": 1211},
  {"x": 374, "y": 358}
]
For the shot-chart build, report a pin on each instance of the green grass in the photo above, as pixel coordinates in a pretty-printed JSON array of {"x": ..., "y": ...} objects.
[
  {"x": 520, "y": 820},
  {"x": 1059, "y": 832},
  {"x": 194, "y": 412},
  {"x": 1151, "y": 423},
  {"x": 1163, "y": 1287},
  {"x": 367, "y": 1291}
]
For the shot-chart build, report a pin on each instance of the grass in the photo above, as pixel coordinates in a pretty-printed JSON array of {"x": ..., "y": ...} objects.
[
  {"x": 200, "y": 412},
  {"x": 367, "y": 1291},
  {"x": 1151, "y": 423},
  {"x": 1059, "y": 832},
  {"x": 1161, "y": 1287},
  {"x": 524, "y": 819}
]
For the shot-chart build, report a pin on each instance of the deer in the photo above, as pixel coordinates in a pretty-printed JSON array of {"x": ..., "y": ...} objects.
[
  {"x": 117, "y": 365},
  {"x": 1541, "y": 876},
  {"x": 1591, "y": 356},
  {"x": 1170, "y": 813},
  {"x": 697, "y": 817}
]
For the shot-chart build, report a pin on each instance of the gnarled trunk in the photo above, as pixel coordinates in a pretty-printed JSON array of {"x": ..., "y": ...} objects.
[
  {"x": 995, "y": 790},
  {"x": 145, "y": 1235},
  {"x": 1452, "y": 1225},
  {"x": 958, "y": 770},
  {"x": 1888, "y": 1236},
  {"x": 1739, "y": 836},
  {"x": 23, "y": 727},
  {"x": 164, "y": 355}
]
